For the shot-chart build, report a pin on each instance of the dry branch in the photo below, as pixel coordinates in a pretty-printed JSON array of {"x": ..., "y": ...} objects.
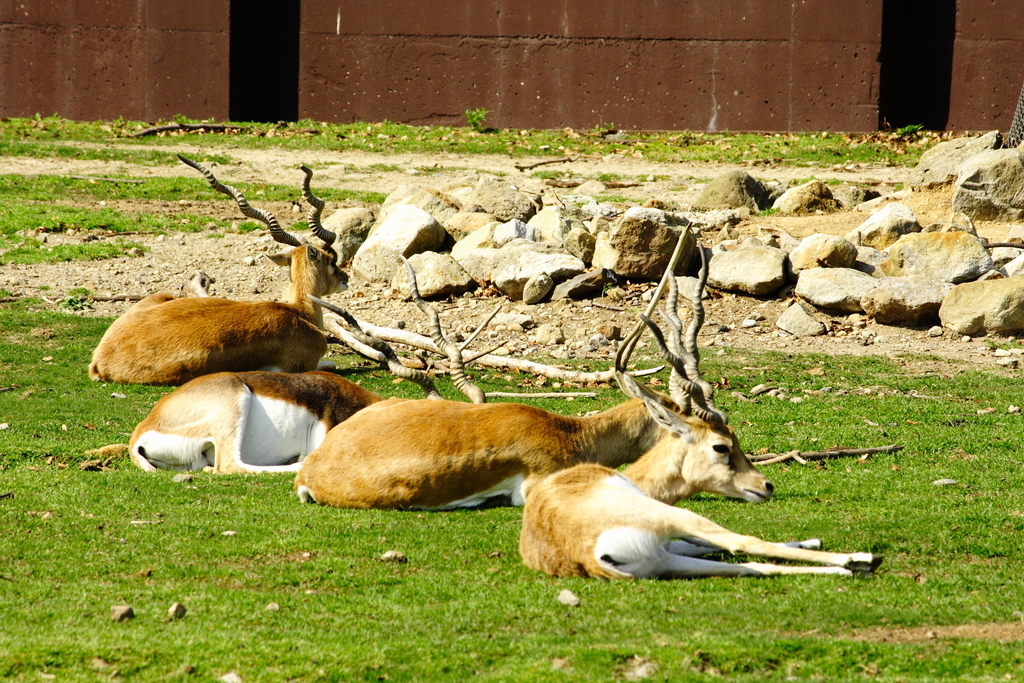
[
  {"x": 527, "y": 167},
  {"x": 153, "y": 130},
  {"x": 804, "y": 456}
]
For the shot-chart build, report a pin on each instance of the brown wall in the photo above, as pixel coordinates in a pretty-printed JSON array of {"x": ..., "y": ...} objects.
[
  {"x": 102, "y": 59},
  {"x": 651, "y": 64},
  {"x": 988, "y": 64},
  {"x": 693, "y": 64}
]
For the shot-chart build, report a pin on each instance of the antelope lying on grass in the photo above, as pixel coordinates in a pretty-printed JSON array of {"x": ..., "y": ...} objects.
[
  {"x": 168, "y": 340},
  {"x": 593, "y": 521},
  {"x": 257, "y": 421},
  {"x": 443, "y": 454},
  {"x": 245, "y": 422}
]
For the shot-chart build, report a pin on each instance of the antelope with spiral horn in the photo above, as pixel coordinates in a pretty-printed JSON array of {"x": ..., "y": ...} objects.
[{"x": 164, "y": 339}]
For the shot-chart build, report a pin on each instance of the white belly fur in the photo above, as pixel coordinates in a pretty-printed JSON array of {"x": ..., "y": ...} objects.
[{"x": 278, "y": 432}]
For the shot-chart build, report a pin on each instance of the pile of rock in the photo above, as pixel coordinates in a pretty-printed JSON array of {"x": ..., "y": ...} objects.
[{"x": 483, "y": 232}]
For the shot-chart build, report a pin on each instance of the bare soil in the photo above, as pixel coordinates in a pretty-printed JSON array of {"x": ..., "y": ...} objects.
[{"x": 170, "y": 259}]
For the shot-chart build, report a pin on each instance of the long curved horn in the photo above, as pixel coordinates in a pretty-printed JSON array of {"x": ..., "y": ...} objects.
[
  {"x": 455, "y": 362},
  {"x": 629, "y": 343},
  {"x": 248, "y": 211},
  {"x": 316, "y": 208}
]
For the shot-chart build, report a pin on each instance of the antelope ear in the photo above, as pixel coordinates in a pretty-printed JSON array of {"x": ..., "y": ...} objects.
[
  {"x": 312, "y": 254},
  {"x": 667, "y": 418},
  {"x": 282, "y": 259}
]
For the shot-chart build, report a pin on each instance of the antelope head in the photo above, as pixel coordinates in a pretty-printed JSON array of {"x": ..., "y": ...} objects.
[
  {"x": 312, "y": 269},
  {"x": 700, "y": 452}
]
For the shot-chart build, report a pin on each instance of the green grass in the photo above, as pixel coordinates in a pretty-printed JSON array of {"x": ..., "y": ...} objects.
[
  {"x": 464, "y": 607},
  {"x": 58, "y": 137}
]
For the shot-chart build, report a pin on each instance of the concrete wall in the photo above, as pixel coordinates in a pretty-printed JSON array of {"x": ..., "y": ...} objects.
[
  {"x": 649, "y": 64},
  {"x": 102, "y": 59},
  {"x": 988, "y": 64},
  {"x": 688, "y": 64}
]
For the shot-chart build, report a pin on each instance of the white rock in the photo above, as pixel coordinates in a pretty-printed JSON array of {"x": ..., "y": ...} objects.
[
  {"x": 567, "y": 597},
  {"x": 839, "y": 289}
]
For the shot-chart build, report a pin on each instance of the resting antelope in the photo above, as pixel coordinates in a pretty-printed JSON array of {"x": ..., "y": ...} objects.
[
  {"x": 593, "y": 521},
  {"x": 443, "y": 454},
  {"x": 258, "y": 421},
  {"x": 245, "y": 421},
  {"x": 168, "y": 340}
]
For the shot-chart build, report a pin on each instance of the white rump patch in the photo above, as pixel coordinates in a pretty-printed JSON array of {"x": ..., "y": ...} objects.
[
  {"x": 631, "y": 551},
  {"x": 173, "y": 452},
  {"x": 305, "y": 495}
]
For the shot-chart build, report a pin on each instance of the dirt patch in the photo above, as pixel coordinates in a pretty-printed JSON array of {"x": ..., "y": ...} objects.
[
  {"x": 170, "y": 259},
  {"x": 1011, "y": 632}
]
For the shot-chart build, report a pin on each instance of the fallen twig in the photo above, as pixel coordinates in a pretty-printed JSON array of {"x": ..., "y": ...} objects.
[
  {"x": 527, "y": 167},
  {"x": 107, "y": 180},
  {"x": 153, "y": 130},
  {"x": 804, "y": 456},
  {"x": 9, "y": 494}
]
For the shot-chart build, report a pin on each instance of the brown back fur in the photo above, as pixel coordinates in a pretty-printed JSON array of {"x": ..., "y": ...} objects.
[{"x": 167, "y": 340}]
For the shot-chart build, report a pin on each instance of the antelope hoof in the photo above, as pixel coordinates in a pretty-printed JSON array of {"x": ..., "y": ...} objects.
[{"x": 863, "y": 564}]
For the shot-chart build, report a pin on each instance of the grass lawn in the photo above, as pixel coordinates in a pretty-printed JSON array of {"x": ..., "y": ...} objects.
[{"x": 74, "y": 542}]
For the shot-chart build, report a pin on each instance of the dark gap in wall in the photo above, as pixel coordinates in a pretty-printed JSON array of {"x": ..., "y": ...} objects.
[
  {"x": 264, "y": 60},
  {"x": 916, "y": 63}
]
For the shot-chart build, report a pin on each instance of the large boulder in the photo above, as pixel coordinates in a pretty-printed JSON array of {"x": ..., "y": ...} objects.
[
  {"x": 582, "y": 286},
  {"x": 992, "y": 306},
  {"x": 752, "y": 270},
  {"x": 513, "y": 277},
  {"x": 501, "y": 199},
  {"x": 408, "y": 230},
  {"x": 485, "y": 262},
  {"x": 481, "y": 238},
  {"x": 869, "y": 260},
  {"x": 640, "y": 245},
  {"x": 437, "y": 275},
  {"x": 466, "y": 223},
  {"x": 947, "y": 256},
  {"x": 351, "y": 225},
  {"x": 580, "y": 244},
  {"x": 513, "y": 230},
  {"x": 911, "y": 300},
  {"x": 885, "y": 226},
  {"x": 799, "y": 321},
  {"x": 941, "y": 164},
  {"x": 991, "y": 186},
  {"x": 822, "y": 251},
  {"x": 811, "y": 197},
  {"x": 839, "y": 289},
  {"x": 552, "y": 225},
  {"x": 732, "y": 190}
]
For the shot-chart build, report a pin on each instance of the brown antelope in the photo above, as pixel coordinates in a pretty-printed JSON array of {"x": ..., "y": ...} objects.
[
  {"x": 593, "y": 521},
  {"x": 168, "y": 340},
  {"x": 245, "y": 421},
  {"x": 443, "y": 454}
]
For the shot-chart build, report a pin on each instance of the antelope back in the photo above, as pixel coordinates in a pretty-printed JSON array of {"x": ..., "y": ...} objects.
[{"x": 693, "y": 456}]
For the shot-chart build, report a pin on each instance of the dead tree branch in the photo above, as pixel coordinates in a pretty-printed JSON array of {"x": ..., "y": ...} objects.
[{"x": 803, "y": 457}]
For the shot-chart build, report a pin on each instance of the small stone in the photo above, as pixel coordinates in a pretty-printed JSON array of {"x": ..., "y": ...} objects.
[
  {"x": 1009, "y": 363},
  {"x": 966, "y": 338},
  {"x": 945, "y": 482},
  {"x": 182, "y": 478},
  {"x": 567, "y": 597},
  {"x": 121, "y": 612},
  {"x": 4, "y": 425},
  {"x": 272, "y": 607},
  {"x": 749, "y": 322},
  {"x": 228, "y": 533},
  {"x": 230, "y": 677},
  {"x": 118, "y": 394},
  {"x": 176, "y": 611},
  {"x": 611, "y": 332},
  {"x": 249, "y": 261},
  {"x": 1013, "y": 410},
  {"x": 935, "y": 331},
  {"x": 394, "y": 556}
]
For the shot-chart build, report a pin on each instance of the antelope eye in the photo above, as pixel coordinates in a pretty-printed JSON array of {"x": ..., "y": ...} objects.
[{"x": 721, "y": 448}]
